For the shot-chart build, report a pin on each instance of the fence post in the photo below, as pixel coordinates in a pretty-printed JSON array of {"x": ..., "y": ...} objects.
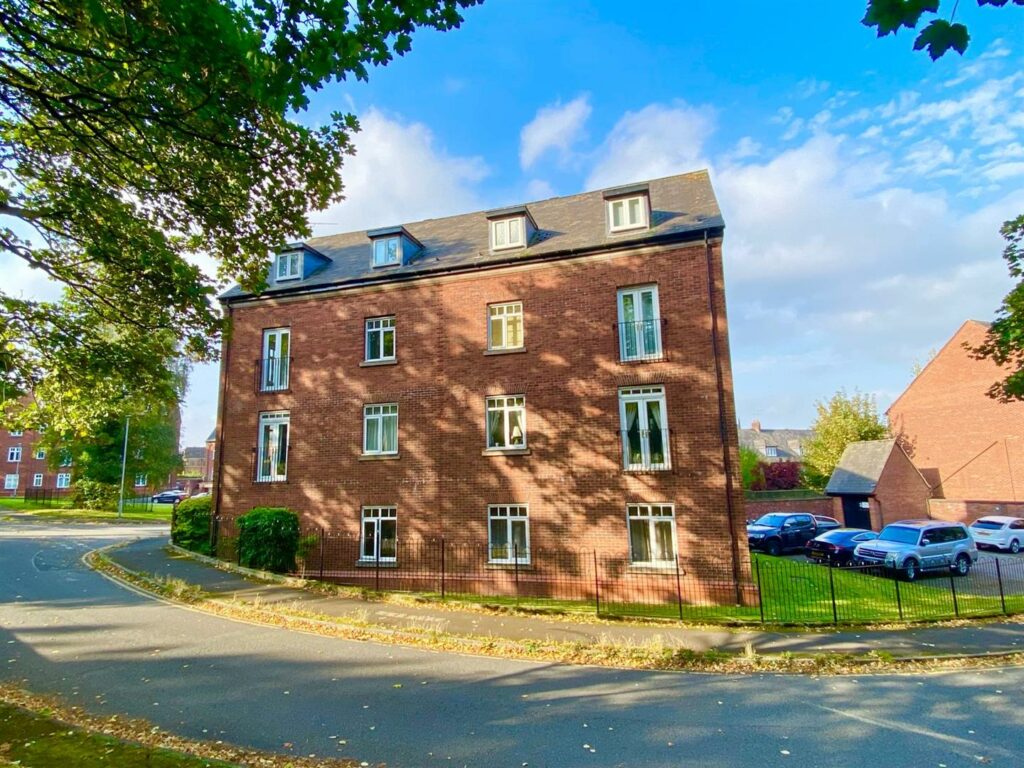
[
  {"x": 1002, "y": 594},
  {"x": 597, "y": 588},
  {"x": 515, "y": 558},
  {"x": 952, "y": 590},
  {"x": 679, "y": 591},
  {"x": 442, "y": 567},
  {"x": 376, "y": 570},
  {"x": 760, "y": 587},
  {"x": 899, "y": 598},
  {"x": 832, "y": 590},
  {"x": 321, "y": 554}
]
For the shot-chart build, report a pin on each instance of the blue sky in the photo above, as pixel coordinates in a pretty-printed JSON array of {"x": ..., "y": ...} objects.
[{"x": 862, "y": 185}]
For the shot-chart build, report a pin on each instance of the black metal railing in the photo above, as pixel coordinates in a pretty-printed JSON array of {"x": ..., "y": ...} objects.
[
  {"x": 646, "y": 449},
  {"x": 273, "y": 374},
  {"x": 641, "y": 339}
]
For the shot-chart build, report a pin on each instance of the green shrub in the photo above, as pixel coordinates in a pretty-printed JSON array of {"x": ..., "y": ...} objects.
[
  {"x": 92, "y": 494},
  {"x": 268, "y": 539},
  {"x": 191, "y": 528}
]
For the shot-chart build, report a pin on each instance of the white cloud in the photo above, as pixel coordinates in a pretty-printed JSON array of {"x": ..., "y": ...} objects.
[
  {"x": 538, "y": 189},
  {"x": 556, "y": 127},
  {"x": 658, "y": 140}
]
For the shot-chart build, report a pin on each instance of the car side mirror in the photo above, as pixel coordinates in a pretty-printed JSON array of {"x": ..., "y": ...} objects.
[{"x": 925, "y": 542}]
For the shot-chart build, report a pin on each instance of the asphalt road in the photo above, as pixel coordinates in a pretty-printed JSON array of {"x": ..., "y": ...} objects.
[{"x": 67, "y": 630}]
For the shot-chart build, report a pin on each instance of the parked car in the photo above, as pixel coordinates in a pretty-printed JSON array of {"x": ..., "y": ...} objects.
[
  {"x": 999, "y": 532},
  {"x": 825, "y": 523},
  {"x": 835, "y": 546},
  {"x": 779, "y": 532},
  {"x": 169, "y": 496},
  {"x": 913, "y": 546}
]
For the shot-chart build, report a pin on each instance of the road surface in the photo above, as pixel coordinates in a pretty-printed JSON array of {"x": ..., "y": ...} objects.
[{"x": 69, "y": 631}]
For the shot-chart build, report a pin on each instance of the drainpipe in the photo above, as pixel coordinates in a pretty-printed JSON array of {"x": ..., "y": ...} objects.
[
  {"x": 723, "y": 426},
  {"x": 218, "y": 448}
]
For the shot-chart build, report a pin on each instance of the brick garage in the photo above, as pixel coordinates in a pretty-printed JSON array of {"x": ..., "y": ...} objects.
[
  {"x": 876, "y": 483},
  {"x": 441, "y": 482}
]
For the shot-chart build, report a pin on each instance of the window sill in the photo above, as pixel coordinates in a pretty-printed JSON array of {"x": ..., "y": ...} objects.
[
  {"x": 379, "y": 456},
  {"x": 502, "y": 566},
  {"x": 376, "y": 363},
  {"x": 282, "y": 481},
  {"x": 647, "y": 470},
  {"x": 516, "y": 351},
  {"x": 506, "y": 452},
  {"x": 653, "y": 567},
  {"x": 374, "y": 563},
  {"x": 275, "y": 391},
  {"x": 641, "y": 360}
]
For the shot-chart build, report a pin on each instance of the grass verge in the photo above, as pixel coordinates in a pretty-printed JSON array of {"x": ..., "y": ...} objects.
[
  {"x": 40, "y": 731},
  {"x": 650, "y": 655},
  {"x": 61, "y": 510}
]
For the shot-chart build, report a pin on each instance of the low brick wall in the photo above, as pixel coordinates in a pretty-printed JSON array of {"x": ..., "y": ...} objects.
[
  {"x": 968, "y": 511},
  {"x": 822, "y": 505}
]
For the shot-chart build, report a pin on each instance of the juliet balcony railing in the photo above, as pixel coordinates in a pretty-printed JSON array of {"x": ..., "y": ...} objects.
[
  {"x": 273, "y": 374},
  {"x": 641, "y": 339},
  {"x": 646, "y": 450}
]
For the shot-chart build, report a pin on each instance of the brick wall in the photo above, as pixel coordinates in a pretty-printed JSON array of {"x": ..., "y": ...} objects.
[
  {"x": 901, "y": 493},
  {"x": 969, "y": 511},
  {"x": 967, "y": 445},
  {"x": 824, "y": 505},
  {"x": 570, "y": 373},
  {"x": 28, "y": 467}
]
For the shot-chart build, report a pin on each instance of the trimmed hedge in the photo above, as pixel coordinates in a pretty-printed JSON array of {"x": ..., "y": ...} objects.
[
  {"x": 268, "y": 539},
  {"x": 191, "y": 528},
  {"x": 92, "y": 494}
]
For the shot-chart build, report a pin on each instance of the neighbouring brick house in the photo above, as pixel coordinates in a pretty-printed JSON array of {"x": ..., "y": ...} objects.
[
  {"x": 877, "y": 484},
  {"x": 193, "y": 460},
  {"x": 25, "y": 466},
  {"x": 546, "y": 378},
  {"x": 968, "y": 446},
  {"x": 775, "y": 444}
]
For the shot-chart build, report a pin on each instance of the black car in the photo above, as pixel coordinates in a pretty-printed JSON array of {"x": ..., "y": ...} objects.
[
  {"x": 779, "y": 532},
  {"x": 168, "y": 497},
  {"x": 835, "y": 547}
]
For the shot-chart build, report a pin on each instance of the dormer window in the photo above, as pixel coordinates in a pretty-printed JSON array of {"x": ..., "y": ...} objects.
[
  {"x": 386, "y": 251},
  {"x": 289, "y": 265},
  {"x": 392, "y": 246},
  {"x": 628, "y": 208},
  {"x": 507, "y": 233}
]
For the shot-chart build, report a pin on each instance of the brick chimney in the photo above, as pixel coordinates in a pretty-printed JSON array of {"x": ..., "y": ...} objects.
[{"x": 755, "y": 425}]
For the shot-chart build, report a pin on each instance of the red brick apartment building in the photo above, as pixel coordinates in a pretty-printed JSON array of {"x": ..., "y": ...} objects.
[
  {"x": 967, "y": 445},
  {"x": 24, "y": 466},
  {"x": 546, "y": 378}
]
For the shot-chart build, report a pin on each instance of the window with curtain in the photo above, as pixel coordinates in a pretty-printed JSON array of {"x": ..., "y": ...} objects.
[
  {"x": 643, "y": 413},
  {"x": 639, "y": 324},
  {"x": 508, "y": 533},
  {"x": 652, "y": 533},
  {"x": 506, "y": 422},
  {"x": 505, "y": 326},
  {"x": 276, "y": 351},
  {"x": 379, "y": 534},
  {"x": 380, "y": 429},
  {"x": 272, "y": 447},
  {"x": 380, "y": 339}
]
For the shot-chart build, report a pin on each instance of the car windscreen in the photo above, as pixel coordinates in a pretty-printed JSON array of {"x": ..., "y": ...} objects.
[
  {"x": 987, "y": 525},
  {"x": 899, "y": 534},
  {"x": 774, "y": 520}
]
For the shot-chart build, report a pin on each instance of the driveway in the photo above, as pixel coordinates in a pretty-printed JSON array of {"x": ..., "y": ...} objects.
[{"x": 68, "y": 630}]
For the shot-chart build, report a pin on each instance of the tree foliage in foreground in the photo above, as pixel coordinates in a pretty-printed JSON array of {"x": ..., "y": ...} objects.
[
  {"x": 844, "y": 419},
  {"x": 938, "y": 36},
  {"x": 135, "y": 134}
]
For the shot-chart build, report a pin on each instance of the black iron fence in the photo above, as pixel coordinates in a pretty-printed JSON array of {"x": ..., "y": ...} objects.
[
  {"x": 138, "y": 504},
  {"x": 46, "y": 498}
]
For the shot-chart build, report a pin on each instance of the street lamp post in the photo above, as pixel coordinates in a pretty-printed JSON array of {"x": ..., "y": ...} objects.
[{"x": 124, "y": 463}]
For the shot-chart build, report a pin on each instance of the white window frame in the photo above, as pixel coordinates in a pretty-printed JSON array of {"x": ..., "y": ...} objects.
[
  {"x": 499, "y": 315},
  {"x": 509, "y": 514},
  {"x": 641, "y": 396},
  {"x": 652, "y": 514},
  {"x": 37, "y": 480},
  {"x": 505, "y": 405},
  {"x": 11, "y": 482},
  {"x": 40, "y": 453},
  {"x": 274, "y": 445},
  {"x": 771, "y": 451},
  {"x": 16, "y": 433},
  {"x": 375, "y": 517},
  {"x": 643, "y": 334},
  {"x": 508, "y": 233},
  {"x": 289, "y": 266},
  {"x": 628, "y": 223},
  {"x": 276, "y": 376},
  {"x": 143, "y": 477},
  {"x": 381, "y": 326},
  {"x": 374, "y": 419},
  {"x": 63, "y": 479},
  {"x": 14, "y": 453},
  {"x": 389, "y": 260}
]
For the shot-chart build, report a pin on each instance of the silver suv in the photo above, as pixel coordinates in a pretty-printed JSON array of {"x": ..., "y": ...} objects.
[{"x": 913, "y": 546}]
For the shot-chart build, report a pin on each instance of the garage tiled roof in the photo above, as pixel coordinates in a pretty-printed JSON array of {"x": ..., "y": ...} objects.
[{"x": 860, "y": 467}]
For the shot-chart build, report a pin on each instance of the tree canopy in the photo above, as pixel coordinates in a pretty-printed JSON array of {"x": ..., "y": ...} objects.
[
  {"x": 842, "y": 420},
  {"x": 938, "y": 36},
  {"x": 135, "y": 135}
]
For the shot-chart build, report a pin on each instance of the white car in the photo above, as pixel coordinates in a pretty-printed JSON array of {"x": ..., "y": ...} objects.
[{"x": 999, "y": 532}]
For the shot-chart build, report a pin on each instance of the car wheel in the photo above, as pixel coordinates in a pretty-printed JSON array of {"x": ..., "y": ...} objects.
[
  {"x": 962, "y": 566},
  {"x": 911, "y": 570},
  {"x": 1014, "y": 546},
  {"x": 774, "y": 548}
]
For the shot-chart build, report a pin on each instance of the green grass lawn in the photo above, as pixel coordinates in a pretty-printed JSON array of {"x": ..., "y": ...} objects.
[{"x": 61, "y": 509}]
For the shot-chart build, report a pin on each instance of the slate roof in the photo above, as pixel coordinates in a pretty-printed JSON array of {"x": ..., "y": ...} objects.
[
  {"x": 213, "y": 436},
  {"x": 682, "y": 207},
  {"x": 194, "y": 452},
  {"x": 859, "y": 468},
  {"x": 788, "y": 442}
]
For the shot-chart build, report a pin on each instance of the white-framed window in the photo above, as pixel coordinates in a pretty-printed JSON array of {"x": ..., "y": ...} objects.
[
  {"x": 506, "y": 422},
  {"x": 771, "y": 451},
  {"x": 272, "y": 449},
  {"x": 289, "y": 265},
  {"x": 10, "y": 482},
  {"x": 16, "y": 433},
  {"x": 380, "y": 429},
  {"x": 380, "y": 339},
  {"x": 652, "y": 533},
  {"x": 14, "y": 453},
  {"x": 627, "y": 213},
  {"x": 508, "y": 533},
  {"x": 141, "y": 480},
  {"x": 505, "y": 325},
  {"x": 386, "y": 251},
  {"x": 645, "y": 443},
  {"x": 379, "y": 534},
  {"x": 276, "y": 366},
  {"x": 507, "y": 233},
  {"x": 65, "y": 459},
  {"x": 639, "y": 323},
  {"x": 63, "y": 479},
  {"x": 37, "y": 480},
  {"x": 40, "y": 453}
]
